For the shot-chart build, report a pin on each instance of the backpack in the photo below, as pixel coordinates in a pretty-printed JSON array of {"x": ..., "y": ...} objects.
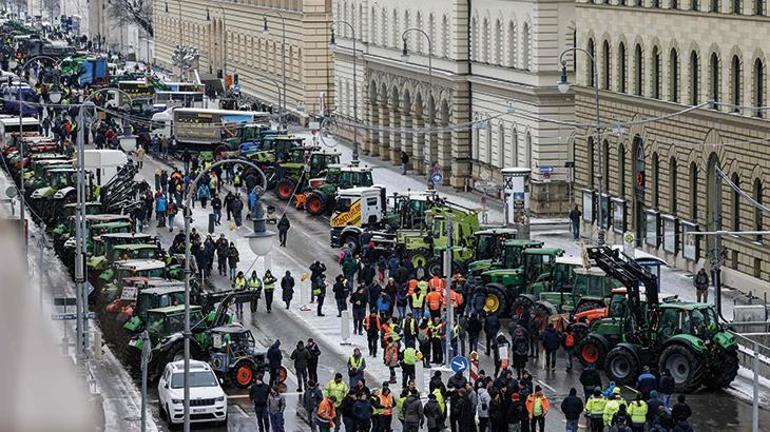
[{"x": 569, "y": 340}]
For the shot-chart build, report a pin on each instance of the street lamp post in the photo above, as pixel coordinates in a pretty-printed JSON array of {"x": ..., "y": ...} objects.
[
  {"x": 224, "y": 35},
  {"x": 405, "y": 58},
  {"x": 260, "y": 243},
  {"x": 332, "y": 44},
  {"x": 283, "y": 54},
  {"x": 564, "y": 87}
]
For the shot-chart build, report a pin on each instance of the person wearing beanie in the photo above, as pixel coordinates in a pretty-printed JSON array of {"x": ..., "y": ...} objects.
[
  {"x": 572, "y": 407},
  {"x": 537, "y": 408}
]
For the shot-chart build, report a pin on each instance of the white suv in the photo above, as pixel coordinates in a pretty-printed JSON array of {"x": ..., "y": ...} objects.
[{"x": 208, "y": 402}]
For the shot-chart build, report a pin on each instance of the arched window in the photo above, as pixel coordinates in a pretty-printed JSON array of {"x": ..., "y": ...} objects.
[
  {"x": 674, "y": 75},
  {"x": 737, "y": 7},
  {"x": 694, "y": 79},
  {"x": 515, "y": 152},
  {"x": 606, "y": 69},
  {"x": 693, "y": 192},
  {"x": 714, "y": 75},
  {"x": 590, "y": 72},
  {"x": 498, "y": 47},
  {"x": 715, "y": 6},
  {"x": 485, "y": 47},
  {"x": 445, "y": 37},
  {"x": 655, "y": 181},
  {"x": 525, "y": 44},
  {"x": 757, "y": 211},
  {"x": 590, "y": 162},
  {"x": 759, "y": 7},
  {"x": 655, "y": 73},
  {"x": 638, "y": 66},
  {"x": 605, "y": 170},
  {"x": 528, "y": 149},
  {"x": 735, "y": 205},
  {"x": 674, "y": 4},
  {"x": 735, "y": 77},
  {"x": 672, "y": 176},
  {"x": 622, "y": 67},
  {"x": 759, "y": 87},
  {"x": 695, "y": 5},
  {"x": 475, "y": 39},
  {"x": 512, "y": 44},
  {"x": 654, "y": 4},
  {"x": 621, "y": 170}
]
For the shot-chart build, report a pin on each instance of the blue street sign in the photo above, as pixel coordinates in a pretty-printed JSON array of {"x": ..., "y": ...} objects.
[
  {"x": 71, "y": 316},
  {"x": 459, "y": 364},
  {"x": 248, "y": 148},
  {"x": 437, "y": 178}
]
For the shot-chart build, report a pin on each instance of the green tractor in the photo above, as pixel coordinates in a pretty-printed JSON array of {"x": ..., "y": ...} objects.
[
  {"x": 684, "y": 338},
  {"x": 489, "y": 247},
  {"x": 319, "y": 199},
  {"x": 499, "y": 288},
  {"x": 165, "y": 326},
  {"x": 112, "y": 280},
  {"x": 109, "y": 248},
  {"x": 297, "y": 167},
  {"x": 570, "y": 288}
]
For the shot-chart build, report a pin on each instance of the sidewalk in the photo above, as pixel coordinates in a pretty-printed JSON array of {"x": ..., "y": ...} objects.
[{"x": 105, "y": 380}]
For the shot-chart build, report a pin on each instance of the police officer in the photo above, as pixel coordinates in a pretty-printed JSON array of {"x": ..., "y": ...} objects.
[
  {"x": 255, "y": 285},
  {"x": 638, "y": 412},
  {"x": 240, "y": 285},
  {"x": 595, "y": 410},
  {"x": 612, "y": 406},
  {"x": 269, "y": 282},
  {"x": 407, "y": 365}
]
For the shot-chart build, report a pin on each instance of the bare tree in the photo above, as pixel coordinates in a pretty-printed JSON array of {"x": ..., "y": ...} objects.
[{"x": 137, "y": 12}]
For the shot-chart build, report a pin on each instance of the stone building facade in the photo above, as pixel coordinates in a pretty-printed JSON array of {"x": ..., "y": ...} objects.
[
  {"x": 491, "y": 59},
  {"x": 230, "y": 38},
  {"x": 683, "y": 91}
]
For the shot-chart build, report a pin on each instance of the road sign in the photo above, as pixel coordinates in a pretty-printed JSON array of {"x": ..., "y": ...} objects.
[
  {"x": 129, "y": 293},
  {"x": 437, "y": 178},
  {"x": 11, "y": 192},
  {"x": 71, "y": 316},
  {"x": 89, "y": 288},
  {"x": 65, "y": 301},
  {"x": 459, "y": 364}
]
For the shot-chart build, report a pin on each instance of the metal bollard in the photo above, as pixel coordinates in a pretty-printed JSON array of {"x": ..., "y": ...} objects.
[{"x": 96, "y": 348}]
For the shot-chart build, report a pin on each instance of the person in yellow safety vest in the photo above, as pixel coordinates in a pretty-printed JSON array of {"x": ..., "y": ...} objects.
[
  {"x": 255, "y": 285},
  {"x": 338, "y": 389},
  {"x": 613, "y": 406},
  {"x": 239, "y": 284},
  {"x": 269, "y": 280},
  {"x": 356, "y": 367},
  {"x": 638, "y": 412},
  {"x": 409, "y": 328},
  {"x": 407, "y": 365},
  {"x": 595, "y": 410},
  {"x": 418, "y": 299},
  {"x": 436, "y": 330},
  {"x": 400, "y": 404},
  {"x": 440, "y": 400}
]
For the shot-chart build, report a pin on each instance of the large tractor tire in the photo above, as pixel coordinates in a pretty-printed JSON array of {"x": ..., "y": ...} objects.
[
  {"x": 495, "y": 299},
  {"x": 436, "y": 266},
  {"x": 590, "y": 351},
  {"x": 350, "y": 241},
  {"x": 521, "y": 305},
  {"x": 621, "y": 365},
  {"x": 686, "y": 367},
  {"x": 419, "y": 257},
  {"x": 285, "y": 189},
  {"x": 722, "y": 373},
  {"x": 316, "y": 204},
  {"x": 242, "y": 374}
]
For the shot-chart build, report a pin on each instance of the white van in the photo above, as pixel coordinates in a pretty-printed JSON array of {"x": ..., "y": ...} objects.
[
  {"x": 9, "y": 125},
  {"x": 104, "y": 163}
]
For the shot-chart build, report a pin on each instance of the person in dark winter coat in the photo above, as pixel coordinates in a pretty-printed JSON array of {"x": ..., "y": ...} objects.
[
  {"x": 259, "y": 393},
  {"x": 590, "y": 379},
  {"x": 283, "y": 229},
  {"x": 312, "y": 364},
  {"x": 434, "y": 417},
  {"x": 287, "y": 288},
  {"x": 572, "y": 407},
  {"x": 301, "y": 357},
  {"x": 474, "y": 331},
  {"x": 340, "y": 290},
  {"x": 646, "y": 382},
  {"x": 413, "y": 412},
  {"x": 551, "y": 343},
  {"x": 491, "y": 327},
  {"x": 274, "y": 358},
  {"x": 680, "y": 411},
  {"x": 666, "y": 388}
]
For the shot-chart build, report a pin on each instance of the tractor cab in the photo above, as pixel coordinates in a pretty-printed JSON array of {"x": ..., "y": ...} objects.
[
  {"x": 320, "y": 199},
  {"x": 346, "y": 177},
  {"x": 408, "y": 209},
  {"x": 488, "y": 243},
  {"x": 575, "y": 288},
  {"x": 233, "y": 355},
  {"x": 509, "y": 256},
  {"x": 103, "y": 253},
  {"x": 538, "y": 263},
  {"x": 318, "y": 162},
  {"x": 148, "y": 299},
  {"x": 166, "y": 321}
]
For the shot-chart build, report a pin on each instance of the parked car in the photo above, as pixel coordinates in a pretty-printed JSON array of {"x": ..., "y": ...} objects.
[{"x": 208, "y": 402}]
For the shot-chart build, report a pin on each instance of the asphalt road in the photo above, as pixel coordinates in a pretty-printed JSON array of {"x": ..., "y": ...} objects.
[{"x": 309, "y": 241}]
